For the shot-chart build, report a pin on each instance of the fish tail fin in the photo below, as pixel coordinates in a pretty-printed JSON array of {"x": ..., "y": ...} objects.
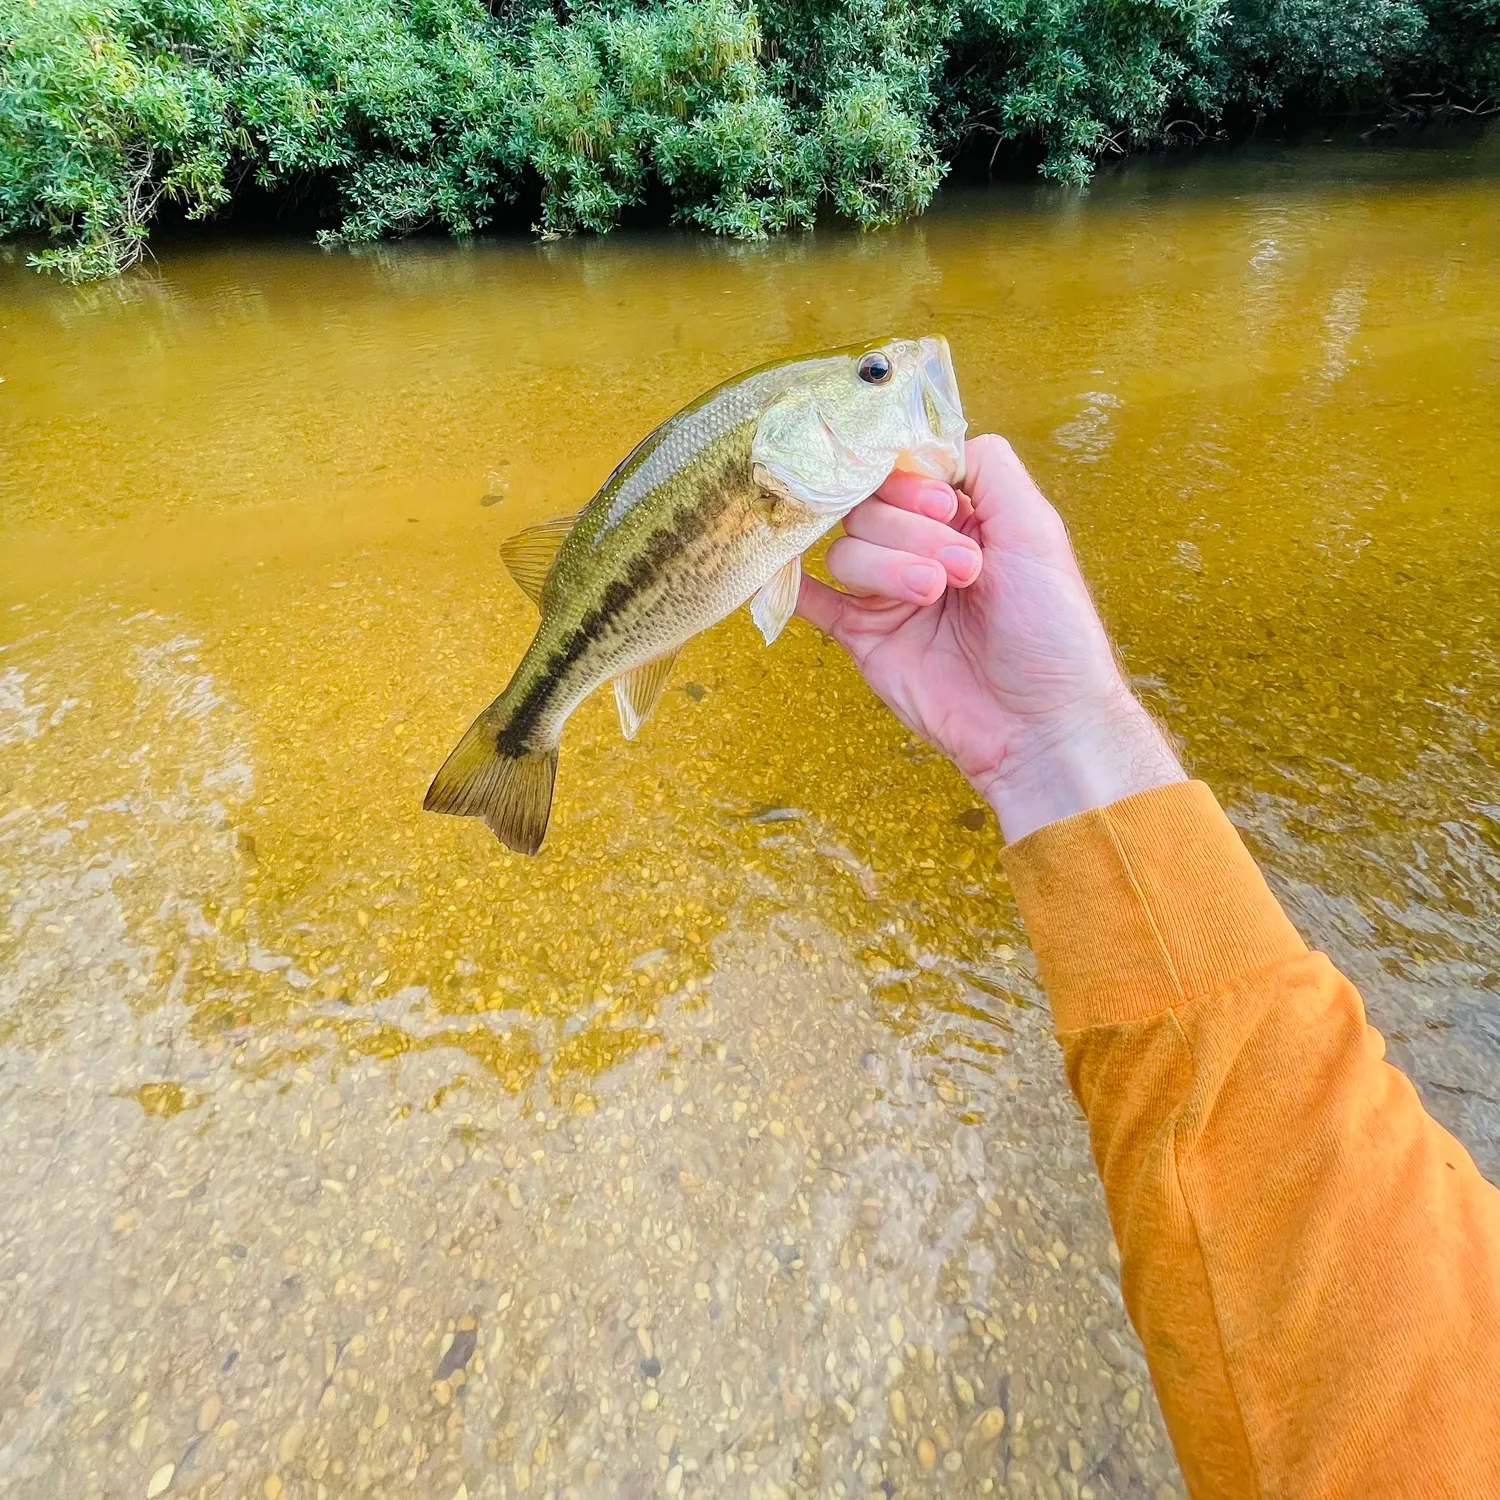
[{"x": 481, "y": 779}]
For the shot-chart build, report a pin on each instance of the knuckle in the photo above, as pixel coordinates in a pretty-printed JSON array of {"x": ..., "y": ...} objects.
[
  {"x": 842, "y": 558},
  {"x": 992, "y": 447}
]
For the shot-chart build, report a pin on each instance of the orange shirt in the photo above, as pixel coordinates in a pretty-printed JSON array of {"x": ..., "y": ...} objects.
[{"x": 1311, "y": 1261}]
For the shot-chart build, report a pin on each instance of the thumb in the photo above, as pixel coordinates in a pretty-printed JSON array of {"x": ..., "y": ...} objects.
[
  {"x": 1010, "y": 509},
  {"x": 822, "y": 606}
]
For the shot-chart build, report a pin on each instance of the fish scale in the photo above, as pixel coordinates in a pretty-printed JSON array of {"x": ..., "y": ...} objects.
[{"x": 684, "y": 437}]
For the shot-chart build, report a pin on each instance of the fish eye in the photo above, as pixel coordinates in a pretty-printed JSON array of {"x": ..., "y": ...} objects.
[{"x": 874, "y": 369}]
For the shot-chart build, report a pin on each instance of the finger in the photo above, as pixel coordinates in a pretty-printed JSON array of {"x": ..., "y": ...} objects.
[
  {"x": 885, "y": 526},
  {"x": 821, "y": 606},
  {"x": 920, "y": 495},
  {"x": 864, "y": 568},
  {"x": 1008, "y": 506}
]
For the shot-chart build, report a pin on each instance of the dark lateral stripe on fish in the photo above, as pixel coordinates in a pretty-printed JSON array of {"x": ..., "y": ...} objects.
[{"x": 646, "y": 568}]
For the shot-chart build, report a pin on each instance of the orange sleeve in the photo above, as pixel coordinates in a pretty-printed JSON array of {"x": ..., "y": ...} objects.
[{"x": 1311, "y": 1261}]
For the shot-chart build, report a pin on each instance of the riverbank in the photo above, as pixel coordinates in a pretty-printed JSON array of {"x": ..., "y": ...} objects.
[{"x": 373, "y": 119}]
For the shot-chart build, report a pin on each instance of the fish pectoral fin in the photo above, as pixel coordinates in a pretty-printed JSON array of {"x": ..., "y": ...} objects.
[
  {"x": 636, "y": 691},
  {"x": 529, "y": 554},
  {"x": 776, "y": 600}
]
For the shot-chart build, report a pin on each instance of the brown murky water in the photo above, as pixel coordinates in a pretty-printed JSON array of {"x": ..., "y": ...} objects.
[{"x": 723, "y": 1150}]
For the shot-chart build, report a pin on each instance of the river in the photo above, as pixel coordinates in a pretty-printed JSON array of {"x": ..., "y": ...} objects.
[{"x": 723, "y": 1150}]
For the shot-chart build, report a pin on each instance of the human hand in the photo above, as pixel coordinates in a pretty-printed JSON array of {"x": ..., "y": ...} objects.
[{"x": 968, "y": 616}]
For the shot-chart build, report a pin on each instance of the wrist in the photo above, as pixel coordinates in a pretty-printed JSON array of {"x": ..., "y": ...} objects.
[{"x": 1079, "y": 761}]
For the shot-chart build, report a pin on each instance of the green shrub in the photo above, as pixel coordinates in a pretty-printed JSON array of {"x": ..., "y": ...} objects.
[
  {"x": 95, "y": 128},
  {"x": 1315, "y": 53},
  {"x": 404, "y": 114},
  {"x": 1076, "y": 78},
  {"x": 1458, "y": 62},
  {"x": 413, "y": 108}
]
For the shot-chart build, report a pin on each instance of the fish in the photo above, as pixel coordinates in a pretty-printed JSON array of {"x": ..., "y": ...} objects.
[{"x": 712, "y": 509}]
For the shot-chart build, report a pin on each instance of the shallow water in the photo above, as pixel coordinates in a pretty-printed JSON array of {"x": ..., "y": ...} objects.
[{"x": 723, "y": 1149}]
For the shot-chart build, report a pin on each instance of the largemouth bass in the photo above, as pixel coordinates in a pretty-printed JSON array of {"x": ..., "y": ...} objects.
[{"x": 713, "y": 508}]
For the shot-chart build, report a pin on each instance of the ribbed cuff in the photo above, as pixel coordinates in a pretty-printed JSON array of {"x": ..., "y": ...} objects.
[{"x": 1144, "y": 904}]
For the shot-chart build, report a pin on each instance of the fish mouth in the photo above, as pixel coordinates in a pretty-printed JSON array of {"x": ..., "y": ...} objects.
[{"x": 937, "y": 414}]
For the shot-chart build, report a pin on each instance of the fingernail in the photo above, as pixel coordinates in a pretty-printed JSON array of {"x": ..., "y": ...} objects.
[
  {"x": 921, "y": 579},
  {"x": 961, "y": 562}
]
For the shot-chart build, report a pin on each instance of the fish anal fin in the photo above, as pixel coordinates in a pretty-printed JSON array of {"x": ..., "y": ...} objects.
[
  {"x": 636, "y": 691},
  {"x": 529, "y": 554},
  {"x": 512, "y": 793},
  {"x": 775, "y": 601}
]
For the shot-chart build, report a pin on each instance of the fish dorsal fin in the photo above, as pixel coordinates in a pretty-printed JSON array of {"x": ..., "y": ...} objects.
[
  {"x": 636, "y": 691},
  {"x": 528, "y": 555},
  {"x": 776, "y": 600}
]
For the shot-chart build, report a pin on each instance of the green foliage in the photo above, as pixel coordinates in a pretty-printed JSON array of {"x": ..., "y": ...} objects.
[
  {"x": 744, "y": 118},
  {"x": 411, "y": 107},
  {"x": 1080, "y": 78},
  {"x": 1320, "y": 53},
  {"x": 1458, "y": 60},
  {"x": 674, "y": 93},
  {"x": 95, "y": 129}
]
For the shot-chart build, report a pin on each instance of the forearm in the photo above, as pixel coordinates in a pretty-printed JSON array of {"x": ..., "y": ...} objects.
[{"x": 1312, "y": 1263}]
